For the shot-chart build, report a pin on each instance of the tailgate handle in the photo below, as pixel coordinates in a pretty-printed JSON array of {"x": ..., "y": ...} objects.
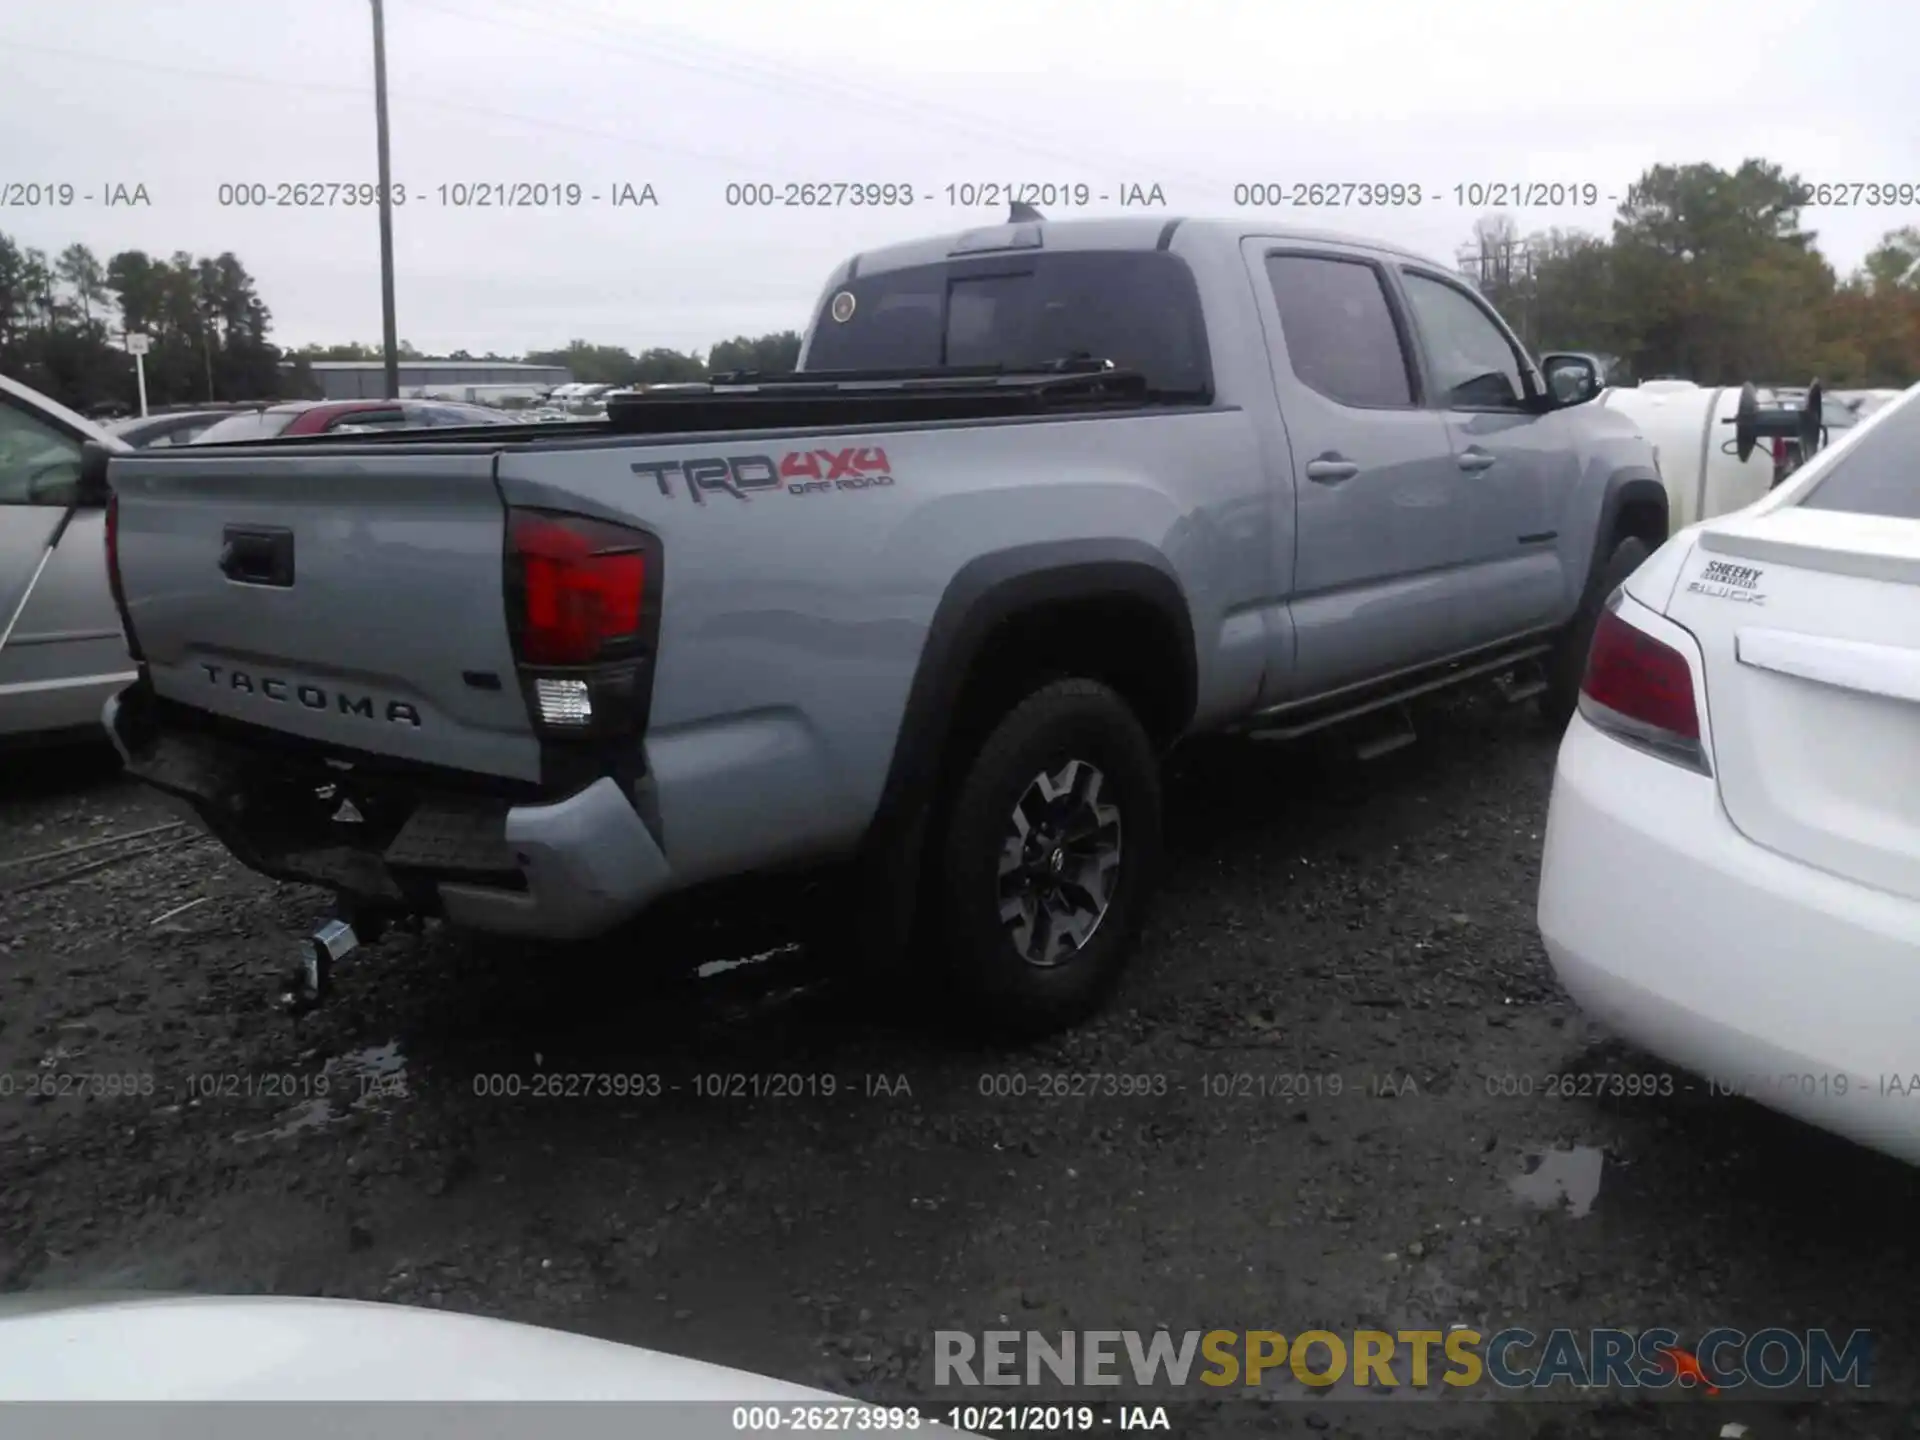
[{"x": 257, "y": 556}]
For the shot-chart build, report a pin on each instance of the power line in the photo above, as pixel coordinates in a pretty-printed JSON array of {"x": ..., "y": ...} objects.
[
  {"x": 739, "y": 71},
  {"x": 756, "y": 72},
  {"x": 365, "y": 92}
]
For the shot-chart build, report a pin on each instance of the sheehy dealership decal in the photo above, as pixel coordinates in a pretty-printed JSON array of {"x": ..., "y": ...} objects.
[
  {"x": 797, "y": 472},
  {"x": 1724, "y": 581}
]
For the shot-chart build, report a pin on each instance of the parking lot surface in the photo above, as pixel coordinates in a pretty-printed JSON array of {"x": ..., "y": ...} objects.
[{"x": 1338, "y": 1089}]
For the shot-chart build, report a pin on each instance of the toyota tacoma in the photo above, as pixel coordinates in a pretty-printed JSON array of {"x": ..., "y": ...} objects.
[{"x": 1040, "y": 500}]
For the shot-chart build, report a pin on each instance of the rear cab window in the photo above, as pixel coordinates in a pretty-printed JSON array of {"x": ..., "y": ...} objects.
[
  {"x": 1139, "y": 309},
  {"x": 373, "y": 420},
  {"x": 256, "y": 425},
  {"x": 1879, "y": 475},
  {"x": 457, "y": 415}
]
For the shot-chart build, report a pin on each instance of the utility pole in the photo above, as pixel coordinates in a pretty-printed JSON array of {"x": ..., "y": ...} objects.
[
  {"x": 387, "y": 328},
  {"x": 1503, "y": 268}
]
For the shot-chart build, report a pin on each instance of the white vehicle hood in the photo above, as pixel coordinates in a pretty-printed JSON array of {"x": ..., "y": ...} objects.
[{"x": 158, "y": 1348}]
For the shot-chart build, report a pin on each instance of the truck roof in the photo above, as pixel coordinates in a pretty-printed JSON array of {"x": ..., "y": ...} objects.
[{"x": 1128, "y": 232}]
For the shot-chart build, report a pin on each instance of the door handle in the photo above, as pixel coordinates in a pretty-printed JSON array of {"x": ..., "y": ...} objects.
[
  {"x": 1474, "y": 461},
  {"x": 1331, "y": 470}
]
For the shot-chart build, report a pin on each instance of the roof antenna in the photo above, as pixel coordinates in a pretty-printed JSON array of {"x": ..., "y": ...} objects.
[{"x": 1023, "y": 214}]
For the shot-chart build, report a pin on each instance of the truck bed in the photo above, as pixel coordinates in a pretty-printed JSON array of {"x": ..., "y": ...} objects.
[
  {"x": 387, "y": 632},
  {"x": 343, "y": 609}
]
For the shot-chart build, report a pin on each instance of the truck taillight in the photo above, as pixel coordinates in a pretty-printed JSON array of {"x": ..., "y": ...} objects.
[
  {"x": 583, "y": 609},
  {"x": 581, "y": 584},
  {"x": 114, "y": 586},
  {"x": 1639, "y": 690}
]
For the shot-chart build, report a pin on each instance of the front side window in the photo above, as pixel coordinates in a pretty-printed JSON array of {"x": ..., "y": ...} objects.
[
  {"x": 39, "y": 464},
  {"x": 1474, "y": 365}
]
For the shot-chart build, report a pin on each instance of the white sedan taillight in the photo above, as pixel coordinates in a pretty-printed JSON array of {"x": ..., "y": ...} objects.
[{"x": 1640, "y": 691}]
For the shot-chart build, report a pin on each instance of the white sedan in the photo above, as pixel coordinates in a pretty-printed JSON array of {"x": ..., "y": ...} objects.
[
  {"x": 79, "y": 1346},
  {"x": 1732, "y": 867}
]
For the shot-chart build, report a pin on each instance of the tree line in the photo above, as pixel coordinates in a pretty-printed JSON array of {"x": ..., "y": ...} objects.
[
  {"x": 1710, "y": 275},
  {"x": 63, "y": 319},
  {"x": 612, "y": 364},
  {"x": 1706, "y": 273}
]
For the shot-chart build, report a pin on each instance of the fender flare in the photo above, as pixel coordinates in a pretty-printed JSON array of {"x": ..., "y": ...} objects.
[
  {"x": 990, "y": 589},
  {"x": 1629, "y": 485}
]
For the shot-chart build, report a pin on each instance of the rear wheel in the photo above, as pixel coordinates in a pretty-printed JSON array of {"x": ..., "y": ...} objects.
[
  {"x": 1567, "y": 666},
  {"x": 1049, "y": 851}
]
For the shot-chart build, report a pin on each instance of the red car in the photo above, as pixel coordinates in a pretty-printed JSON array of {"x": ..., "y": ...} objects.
[{"x": 318, "y": 417}]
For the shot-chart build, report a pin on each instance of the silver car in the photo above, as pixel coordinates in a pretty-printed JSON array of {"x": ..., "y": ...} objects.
[{"x": 62, "y": 652}]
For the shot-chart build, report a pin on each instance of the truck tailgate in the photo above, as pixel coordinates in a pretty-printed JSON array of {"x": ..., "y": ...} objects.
[{"x": 354, "y": 598}]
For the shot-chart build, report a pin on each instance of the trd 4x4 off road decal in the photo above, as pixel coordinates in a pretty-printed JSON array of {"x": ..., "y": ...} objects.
[{"x": 798, "y": 472}]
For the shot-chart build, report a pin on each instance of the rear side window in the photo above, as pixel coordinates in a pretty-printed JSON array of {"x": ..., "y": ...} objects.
[
  {"x": 1880, "y": 475},
  {"x": 255, "y": 425},
  {"x": 1138, "y": 309},
  {"x": 1341, "y": 339}
]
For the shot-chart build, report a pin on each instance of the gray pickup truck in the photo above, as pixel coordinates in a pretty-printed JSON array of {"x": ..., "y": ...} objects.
[{"x": 1041, "y": 500}]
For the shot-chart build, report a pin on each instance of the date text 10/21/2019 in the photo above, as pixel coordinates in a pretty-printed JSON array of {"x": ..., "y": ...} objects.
[
  {"x": 58, "y": 193},
  {"x": 452, "y": 195}
]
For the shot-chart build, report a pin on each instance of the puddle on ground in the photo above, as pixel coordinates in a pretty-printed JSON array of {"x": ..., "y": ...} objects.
[
  {"x": 772, "y": 980},
  {"x": 353, "y": 1082},
  {"x": 1562, "y": 1177},
  {"x": 721, "y": 967}
]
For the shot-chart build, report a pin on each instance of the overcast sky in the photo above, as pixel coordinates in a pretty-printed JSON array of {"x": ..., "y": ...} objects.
[{"x": 1194, "y": 96}]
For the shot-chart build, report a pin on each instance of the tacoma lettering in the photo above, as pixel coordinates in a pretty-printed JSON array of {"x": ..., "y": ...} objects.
[{"x": 396, "y": 712}]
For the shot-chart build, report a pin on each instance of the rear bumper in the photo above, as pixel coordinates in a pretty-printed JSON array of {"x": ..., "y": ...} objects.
[
  {"x": 562, "y": 869},
  {"x": 1784, "y": 983}
]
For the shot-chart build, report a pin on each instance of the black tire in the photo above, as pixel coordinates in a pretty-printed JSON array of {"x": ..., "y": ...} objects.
[
  {"x": 1567, "y": 666},
  {"x": 1002, "y": 991}
]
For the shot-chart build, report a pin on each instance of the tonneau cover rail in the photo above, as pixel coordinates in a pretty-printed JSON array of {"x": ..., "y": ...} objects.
[{"x": 745, "y": 400}]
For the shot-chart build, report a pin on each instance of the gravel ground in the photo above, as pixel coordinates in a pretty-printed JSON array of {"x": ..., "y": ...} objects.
[{"x": 1340, "y": 978}]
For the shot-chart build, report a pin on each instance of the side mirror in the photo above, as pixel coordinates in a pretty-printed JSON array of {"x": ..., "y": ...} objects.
[
  {"x": 1571, "y": 379},
  {"x": 92, "y": 487}
]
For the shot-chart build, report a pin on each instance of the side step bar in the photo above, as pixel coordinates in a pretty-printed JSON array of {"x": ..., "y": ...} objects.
[
  {"x": 1396, "y": 738},
  {"x": 1282, "y": 729}
]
